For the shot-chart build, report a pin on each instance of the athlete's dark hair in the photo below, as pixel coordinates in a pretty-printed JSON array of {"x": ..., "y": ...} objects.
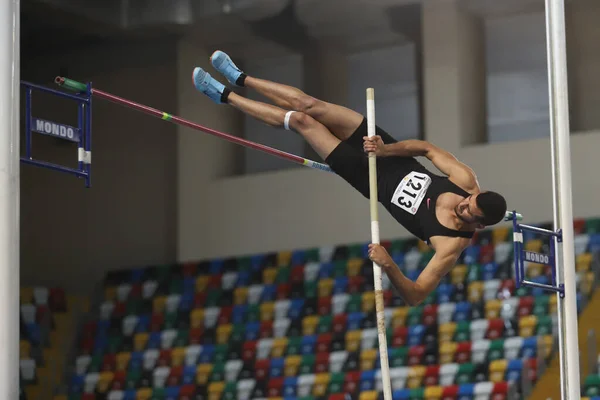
[{"x": 493, "y": 206}]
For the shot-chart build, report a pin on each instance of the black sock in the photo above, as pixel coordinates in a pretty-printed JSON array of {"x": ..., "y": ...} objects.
[
  {"x": 225, "y": 95},
  {"x": 240, "y": 81}
]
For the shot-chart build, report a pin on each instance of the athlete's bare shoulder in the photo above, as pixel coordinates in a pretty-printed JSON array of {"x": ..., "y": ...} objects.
[{"x": 449, "y": 245}]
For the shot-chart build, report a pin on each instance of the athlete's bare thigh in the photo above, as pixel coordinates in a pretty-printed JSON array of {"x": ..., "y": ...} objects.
[{"x": 340, "y": 120}]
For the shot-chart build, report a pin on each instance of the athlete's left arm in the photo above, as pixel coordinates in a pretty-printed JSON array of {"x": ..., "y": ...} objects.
[{"x": 458, "y": 172}]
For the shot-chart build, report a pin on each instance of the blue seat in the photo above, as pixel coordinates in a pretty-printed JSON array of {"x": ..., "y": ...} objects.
[
  {"x": 207, "y": 354},
  {"x": 308, "y": 344},
  {"x": 444, "y": 293},
  {"x": 340, "y": 285},
  {"x": 269, "y": 293},
  {"x": 154, "y": 340},
  {"x": 489, "y": 271},
  {"x": 137, "y": 360},
  {"x": 471, "y": 254},
  {"x": 529, "y": 348},
  {"x": 252, "y": 331},
  {"x": 367, "y": 380},
  {"x": 77, "y": 383},
  {"x": 462, "y": 312},
  {"x": 413, "y": 274},
  {"x": 276, "y": 367},
  {"x": 216, "y": 266},
  {"x": 100, "y": 344},
  {"x": 143, "y": 323},
  {"x": 594, "y": 243},
  {"x": 238, "y": 315},
  {"x": 298, "y": 257},
  {"x": 354, "y": 320},
  {"x": 243, "y": 279},
  {"x": 326, "y": 270},
  {"x": 467, "y": 389},
  {"x": 290, "y": 385},
  {"x": 401, "y": 394},
  {"x": 513, "y": 370},
  {"x": 415, "y": 335},
  {"x": 295, "y": 310},
  {"x": 186, "y": 302},
  {"x": 172, "y": 392},
  {"x": 34, "y": 333},
  {"x": 137, "y": 275},
  {"x": 129, "y": 394},
  {"x": 189, "y": 374},
  {"x": 543, "y": 279}
]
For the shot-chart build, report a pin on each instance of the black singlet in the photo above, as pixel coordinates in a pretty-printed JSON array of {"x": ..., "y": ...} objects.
[{"x": 402, "y": 183}]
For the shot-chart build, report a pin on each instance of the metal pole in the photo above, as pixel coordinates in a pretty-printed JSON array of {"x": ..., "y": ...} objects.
[
  {"x": 562, "y": 197},
  {"x": 9, "y": 198}
]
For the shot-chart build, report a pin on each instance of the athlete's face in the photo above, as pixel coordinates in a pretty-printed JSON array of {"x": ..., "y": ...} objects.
[{"x": 468, "y": 211}]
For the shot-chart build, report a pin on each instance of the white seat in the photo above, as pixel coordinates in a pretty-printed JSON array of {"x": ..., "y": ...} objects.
[
  {"x": 27, "y": 367},
  {"x": 167, "y": 338},
  {"x": 448, "y": 373},
  {"x": 337, "y": 360},
  {"x": 232, "y": 370},
  {"x": 129, "y": 324},
  {"x": 445, "y": 312},
  {"x": 490, "y": 289},
  {"x": 82, "y": 363},
  {"x": 512, "y": 347},
  {"x": 150, "y": 358},
  {"x": 263, "y": 348},
  {"x": 326, "y": 253},
  {"x": 479, "y": 328},
  {"x": 479, "y": 351},
  {"x": 106, "y": 309},
  {"x": 338, "y": 303},
  {"x": 386, "y": 283},
  {"x": 245, "y": 387},
  {"x": 192, "y": 353},
  {"x": 368, "y": 339},
  {"x": 229, "y": 280},
  {"x": 116, "y": 395},
  {"x": 172, "y": 303},
  {"x": 28, "y": 312},
  {"x": 509, "y": 308},
  {"x": 123, "y": 291},
  {"x": 160, "y": 375},
  {"x": 398, "y": 377},
  {"x": 311, "y": 271},
  {"x": 281, "y": 308},
  {"x": 502, "y": 252},
  {"x": 40, "y": 295},
  {"x": 149, "y": 288},
  {"x": 305, "y": 384},
  {"x": 412, "y": 259},
  {"x": 389, "y": 314},
  {"x": 211, "y": 315},
  {"x": 280, "y": 327},
  {"x": 255, "y": 293},
  {"x": 581, "y": 243},
  {"x": 90, "y": 382},
  {"x": 483, "y": 390}
]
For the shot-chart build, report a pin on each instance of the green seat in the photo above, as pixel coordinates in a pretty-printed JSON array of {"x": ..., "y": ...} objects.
[
  {"x": 306, "y": 398},
  {"x": 221, "y": 351},
  {"x": 592, "y": 226},
  {"x": 307, "y": 366},
  {"x": 74, "y": 396},
  {"x": 218, "y": 372},
  {"x": 474, "y": 273},
  {"x": 294, "y": 346},
  {"x": 431, "y": 298},
  {"x": 354, "y": 303},
  {"x": 253, "y": 313},
  {"x": 540, "y": 305},
  {"x": 283, "y": 275},
  {"x": 463, "y": 331},
  {"x": 213, "y": 297},
  {"x": 496, "y": 350},
  {"x": 523, "y": 291},
  {"x": 133, "y": 377},
  {"x": 591, "y": 385},
  {"x": 182, "y": 339},
  {"x": 230, "y": 391},
  {"x": 95, "y": 363},
  {"x": 355, "y": 251},
  {"x": 114, "y": 343},
  {"x": 425, "y": 258},
  {"x": 398, "y": 357},
  {"x": 417, "y": 394},
  {"x": 465, "y": 373},
  {"x": 310, "y": 290},
  {"x": 158, "y": 394},
  {"x": 397, "y": 246},
  {"x": 134, "y": 307},
  {"x": 244, "y": 264},
  {"x": 170, "y": 320},
  {"x": 238, "y": 333},
  {"x": 163, "y": 272},
  {"x": 336, "y": 382},
  {"x": 339, "y": 269},
  {"x": 176, "y": 286},
  {"x": 544, "y": 326},
  {"x": 414, "y": 316},
  {"x": 325, "y": 323},
  {"x": 312, "y": 255}
]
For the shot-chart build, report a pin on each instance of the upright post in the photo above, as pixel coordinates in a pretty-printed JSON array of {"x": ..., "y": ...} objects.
[
  {"x": 379, "y": 302},
  {"x": 563, "y": 209},
  {"x": 9, "y": 197}
]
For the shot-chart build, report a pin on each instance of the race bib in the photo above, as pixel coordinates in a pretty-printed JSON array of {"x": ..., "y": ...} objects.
[{"x": 410, "y": 192}]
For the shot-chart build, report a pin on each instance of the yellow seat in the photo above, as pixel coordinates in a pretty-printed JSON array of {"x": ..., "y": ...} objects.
[
  {"x": 587, "y": 284},
  {"x": 533, "y": 270},
  {"x": 291, "y": 365},
  {"x": 320, "y": 385},
  {"x": 123, "y": 360},
  {"x": 178, "y": 356},
  {"x": 475, "y": 291},
  {"x": 433, "y": 392},
  {"x": 368, "y": 302},
  {"x": 24, "y": 349},
  {"x": 367, "y": 359},
  {"x": 446, "y": 332},
  {"x": 279, "y": 347},
  {"x": 492, "y": 308},
  {"x": 158, "y": 304},
  {"x": 552, "y": 305},
  {"x": 240, "y": 295},
  {"x": 527, "y": 325},
  {"x": 309, "y": 325},
  {"x": 415, "y": 376},
  {"x": 500, "y": 234},
  {"x": 534, "y": 245},
  {"x": 202, "y": 283},
  {"x": 143, "y": 394},
  {"x": 497, "y": 370},
  {"x": 370, "y": 395},
  {"x": 284, "y": 258},
  {"x": 399, "y": 317},
  {"x": 26, "y": 295},
  {"x": 354, "y": 266},
  {"x": 197, "y": 318},
  {"x": 110, "y": 293},
  {"x": 353, "y": 339},
  {"x": 584, "y": 262},
  {"x": 325, "y": 287},
  {"x": 105, "y": 380},
  {"x": 223, "y": 333},
  {"x": 203, "y": 373},
  {"x": 458, "y": 274},
  {"x": 547, "y": 344},
  {"x": 447, "y": 351},
  {"x": 269, "y": 275},
  {"x": 267, "y": 311},
  {"x": 216, "y": 388},
  {"x": 60, "y": 397},
  {"x": 139, "y": 341}
]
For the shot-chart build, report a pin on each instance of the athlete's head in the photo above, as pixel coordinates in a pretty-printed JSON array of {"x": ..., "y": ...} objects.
[{"x": 485, "y": 208}]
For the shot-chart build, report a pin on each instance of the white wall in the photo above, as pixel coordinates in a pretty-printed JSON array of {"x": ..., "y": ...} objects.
[{"x": 304, "y": 208}]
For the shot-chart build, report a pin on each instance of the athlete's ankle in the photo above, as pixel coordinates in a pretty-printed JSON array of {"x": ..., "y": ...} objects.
[{"x": 241, "y": 80}]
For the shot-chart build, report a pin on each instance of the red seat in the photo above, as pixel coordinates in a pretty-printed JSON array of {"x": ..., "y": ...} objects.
[
  {"x": 261, "y": 369},
  {"x": 463, "y": 352},
  {"x": 324, "y": 342},
  {"x": 196, "y": 335},
  {"x": 579, "y": 226},
  {"x": 506, "y": 289},
  {"x": 432, "y": 375},
  {"x": 337, "y": 396},
  {"x": 351, "y": 382},
  {"x": 266, "y": 329},
  {"x": 525, "y": 306},
  {"x": 430, "y": 314},
  {"x": 487, "y": 253},
  {"x": 189, "y": 270},
  {"x": 119, "y": 310},
  {"x": 388, "y": 296},
  {"x": 415, "y": 355},
  {"x": 214, "y": 281},
  {"x": 249, "y": 351},
  {"x": 57, "y": 300},
  {"x": 399, "y": 338},
  {"x": 136, "y": 291},
  {"x": 225, "y": 315},
  {"x": 450, "y": 392},
  {"x": 297, "y": 275},
  {"x": 187, "y": 392},
  {"x": 355, "y": 284},
  {"x": 324, "y": 305},
  {"x": 321, "y": 363},
  {"x": 156, "y": 322},
  {"x": 87, "y": 345},
  {"x": 532, "y": 364},
  {"x": 500, "y": 391},
  {"x": 118, "y": 382},
  {"x": 88, "y": 396},
  {"x": 109, "y": 362},
  {"x": 164, "y": 359},
  {"x": 386, "y": 244},
  {"x": 175, "y": 376},
  {"x": 41, "y": 313},
  {"x": 200, "y": 300},
  {"x": 495, "y": 328},
  {"x": 284, "y": 291},
  {"x": 275, "y": 388},
  {"x": 340, "y": 322}
]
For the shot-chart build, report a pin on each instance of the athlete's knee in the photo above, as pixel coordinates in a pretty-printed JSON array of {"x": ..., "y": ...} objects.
[
  {"x": 300, "y": 121},
  {"x": 305, "y": 103}
]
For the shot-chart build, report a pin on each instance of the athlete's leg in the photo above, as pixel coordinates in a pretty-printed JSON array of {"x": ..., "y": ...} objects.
[
  {"x": 315, "y": 133},
  {"x": 341, "y": 121}
]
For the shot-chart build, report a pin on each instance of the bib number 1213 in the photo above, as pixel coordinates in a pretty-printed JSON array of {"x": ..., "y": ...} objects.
[{"x": 410, "y": 191}]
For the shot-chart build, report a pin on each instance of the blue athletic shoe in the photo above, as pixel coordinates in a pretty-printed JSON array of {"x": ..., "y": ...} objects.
[
  {"x": 208, "y": 85},
  {"x": 222, "y": 63}
]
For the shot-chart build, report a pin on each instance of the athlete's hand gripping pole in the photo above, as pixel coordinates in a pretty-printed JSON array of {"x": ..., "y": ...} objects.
[{"x": 379, "y": 303}]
